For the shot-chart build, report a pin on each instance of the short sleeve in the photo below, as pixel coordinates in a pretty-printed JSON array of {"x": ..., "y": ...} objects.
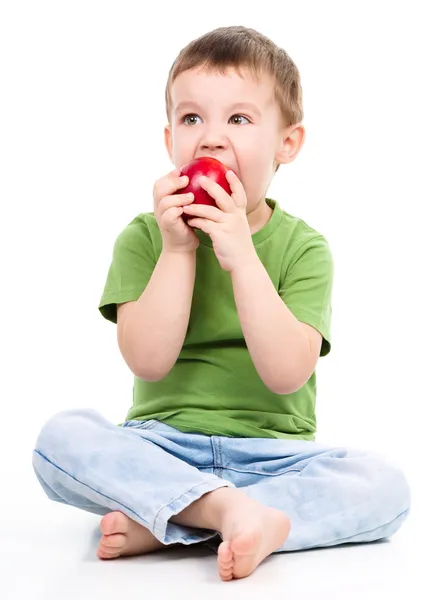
[
  {"x": 307, "y": 287},
  {"x": 131, "y": 267}
]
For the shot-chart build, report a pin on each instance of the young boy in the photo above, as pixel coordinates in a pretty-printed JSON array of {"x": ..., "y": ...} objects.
[{"x": 221, "y": 320}]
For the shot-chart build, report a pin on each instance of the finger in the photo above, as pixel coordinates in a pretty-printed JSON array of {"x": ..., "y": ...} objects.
[
  {"x": 160, "y": 186},
  {"x": 205, "y": 211},
  {"x": 171, "y": 216},
  {"x": 221, "y": 197},
  {"x": 238, "y": 192},
  {"x": 168, "y": 185},
  {"x": 203, "y": 224},
  {"x": 175, "y": 200}
]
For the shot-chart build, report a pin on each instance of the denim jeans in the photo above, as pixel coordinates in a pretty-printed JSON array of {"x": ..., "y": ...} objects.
[{"x": 151, "y": 471}]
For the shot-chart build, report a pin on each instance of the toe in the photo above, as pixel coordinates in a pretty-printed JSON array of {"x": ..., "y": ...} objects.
[
  {"x": 227, "y": 565},
  {"x": 225, "y": 561},
  {"x": 104, "y": 555},
  {"x": 225, "y": 553},
  {"x": 226, "y": 574},
  {"x": 114, "y": 522},
  {"x": 107, "y": 523},
  {"x": 116, "y": 540}
]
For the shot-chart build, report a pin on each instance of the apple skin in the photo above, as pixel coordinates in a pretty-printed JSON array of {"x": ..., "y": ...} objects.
[{"x": 209, "y": 167}]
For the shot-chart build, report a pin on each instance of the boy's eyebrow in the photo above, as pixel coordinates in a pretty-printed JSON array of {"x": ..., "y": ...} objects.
[{"x": 236, "y": 105}]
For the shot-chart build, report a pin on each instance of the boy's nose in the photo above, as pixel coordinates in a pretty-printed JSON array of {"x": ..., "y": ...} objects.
[
  {"x": 212, "y": 146},
  {"x": 213, "y": 139}
]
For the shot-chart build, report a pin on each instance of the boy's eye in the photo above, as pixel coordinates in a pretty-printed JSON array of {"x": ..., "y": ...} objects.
[
  {"x": 191, "y": 119},
  {"x": 237, "y": 119}
]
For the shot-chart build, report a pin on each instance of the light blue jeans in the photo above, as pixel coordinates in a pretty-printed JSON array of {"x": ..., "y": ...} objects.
[{"x": 151, "y": 471}]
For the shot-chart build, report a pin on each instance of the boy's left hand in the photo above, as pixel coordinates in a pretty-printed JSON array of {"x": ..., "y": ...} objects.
[{"x": 226, "y": 225}]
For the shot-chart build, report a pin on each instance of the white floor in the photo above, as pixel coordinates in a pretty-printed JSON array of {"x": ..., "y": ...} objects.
[{"x": 47, "y": 552}]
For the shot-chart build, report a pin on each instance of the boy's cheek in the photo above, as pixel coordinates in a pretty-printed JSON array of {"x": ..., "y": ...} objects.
[{"x": 184, "y": 152}]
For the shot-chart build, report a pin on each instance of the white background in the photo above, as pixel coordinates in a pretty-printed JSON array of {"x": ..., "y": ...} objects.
[{"x": 81, "y": 143}]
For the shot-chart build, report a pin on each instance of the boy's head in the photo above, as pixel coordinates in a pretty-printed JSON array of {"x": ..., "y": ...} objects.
[{"x": 234, "y": 95}]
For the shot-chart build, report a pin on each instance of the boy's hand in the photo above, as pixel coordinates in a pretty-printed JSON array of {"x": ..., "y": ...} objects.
[
  {"x": 168, "y": 207},
  {"x": 227, "y": 225}
]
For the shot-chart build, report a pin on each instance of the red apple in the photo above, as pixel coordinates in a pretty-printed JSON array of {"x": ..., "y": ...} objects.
[{"x": 209, "y": 167}]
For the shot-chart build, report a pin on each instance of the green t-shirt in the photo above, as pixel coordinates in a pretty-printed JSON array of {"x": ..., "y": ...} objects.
[{"x": 214, "y": 387}]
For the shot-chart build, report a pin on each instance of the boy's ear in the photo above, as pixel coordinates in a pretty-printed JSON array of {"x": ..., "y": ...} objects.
[
  {"x": 168, "y": 142},
  {"x": 292, "y": 140}
]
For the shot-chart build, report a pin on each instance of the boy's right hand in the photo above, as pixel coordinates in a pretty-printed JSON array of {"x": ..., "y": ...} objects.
[{"x": 177, "y": 236}]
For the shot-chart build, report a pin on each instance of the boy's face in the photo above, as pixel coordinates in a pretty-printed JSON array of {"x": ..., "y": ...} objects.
[{"x": 234, "y": 119}]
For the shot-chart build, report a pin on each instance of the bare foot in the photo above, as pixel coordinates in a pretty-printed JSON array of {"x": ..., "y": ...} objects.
[
  {"x": 123, "y": 537},
  {"x": 250, "y": 532}
]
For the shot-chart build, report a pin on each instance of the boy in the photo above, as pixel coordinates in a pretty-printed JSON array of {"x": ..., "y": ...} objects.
[{"x": 221, "y": 320}]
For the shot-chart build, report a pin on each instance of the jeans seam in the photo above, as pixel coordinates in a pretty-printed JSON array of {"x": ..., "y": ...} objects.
[
  {"x": 215, "y": 464},
  {"x": 341, "y": 540},
  {"x": 140, "y": 424},
  {"x": 262, "y": 473},
  {"x": 207, "y": 481},
  {"x": 220, "y": 450},
  {"x": 89, "y": 486}
]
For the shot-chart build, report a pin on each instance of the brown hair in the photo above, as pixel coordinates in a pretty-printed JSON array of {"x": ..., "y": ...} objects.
[{"x": 237, "y": 46}]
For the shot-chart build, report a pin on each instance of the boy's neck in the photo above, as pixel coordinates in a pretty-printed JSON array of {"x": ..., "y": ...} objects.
[{"x": 259, "y": 217}]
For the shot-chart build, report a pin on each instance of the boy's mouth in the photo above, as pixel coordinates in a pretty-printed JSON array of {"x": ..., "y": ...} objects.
[{"x": 224, "y": 163}]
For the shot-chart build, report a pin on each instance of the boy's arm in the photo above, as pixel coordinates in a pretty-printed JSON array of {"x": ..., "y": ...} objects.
[
  {"x": 151, "y": 330},
  {"x": 284, "y": 350}
]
